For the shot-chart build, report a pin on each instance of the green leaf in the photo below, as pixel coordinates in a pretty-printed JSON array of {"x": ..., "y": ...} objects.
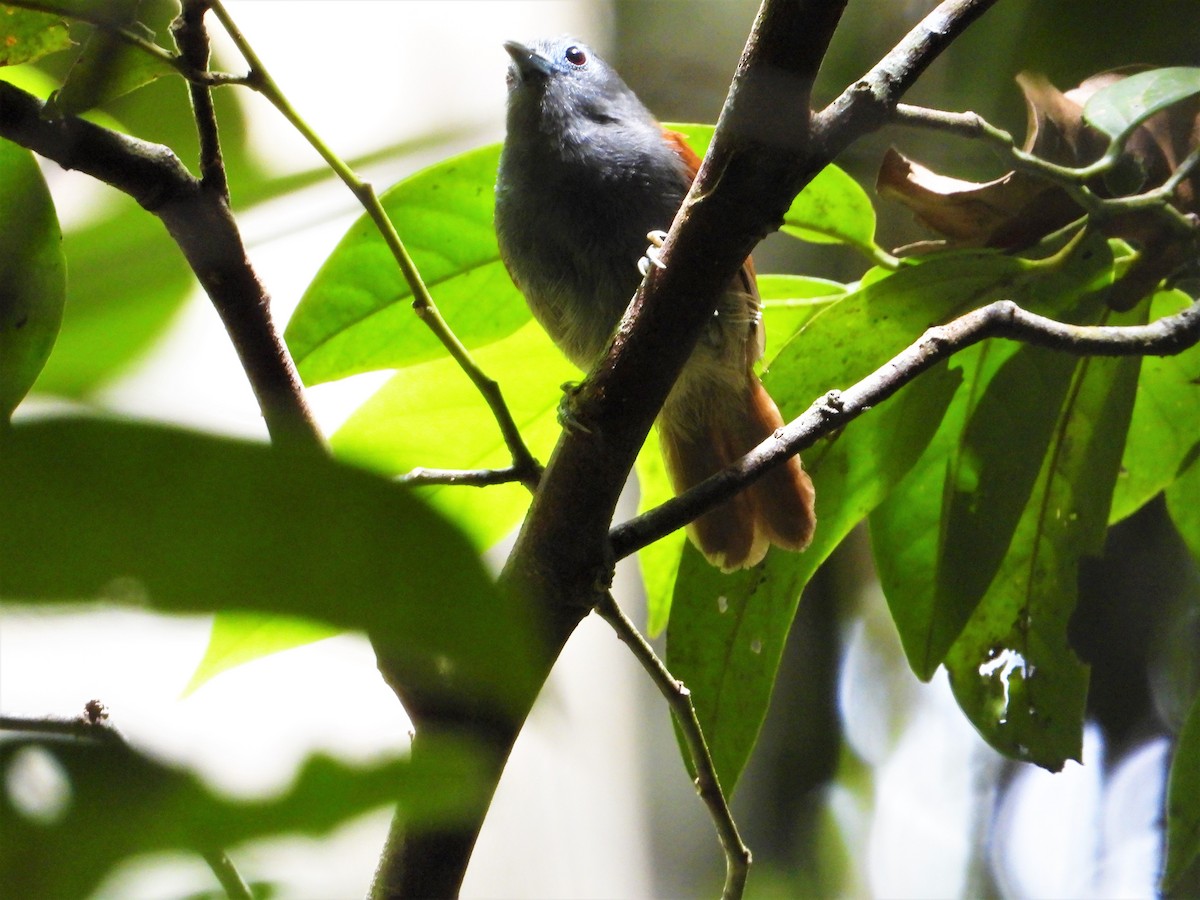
[
  {"x": 1184, "y": 510},
  {"x": 120, "y": 803},
  {"x": 727, "y": 632},
  {"x": 906, "y": 527},
  {"x": 431, "y": 415},
  {"x": 1165, "y": 430},
  {"x": 26, "y": 35},
  {"x": 659, "y": 562},
  {"x": 128, "y": 282},
  {"x": 356, "y": 316},
  {"x": 32, "y": 274},
  {"x": 1119, "y": 108},
  {"x": 1012, "y": 668},
  {"x": 238, "y": 638},
  {"x": 106, "y": 68},
  {"x": 789, "y": 301},
  {"x": 1183, "y": 802},
  {"x": 941, "y": 535},
  {"x": 832, "y": 209},
  {"x": 192, "y": 524}
]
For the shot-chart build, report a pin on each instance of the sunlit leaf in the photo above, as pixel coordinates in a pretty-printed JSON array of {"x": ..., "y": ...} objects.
[
  {"x": 238, "y": 638},
  {"x": 789, "y": 301},
  {"x": 32, "y": 274},
  {"x": 1012, "y": 668},
  {"x": 1166, "y": 419},
  {"x": 659, "y": 562},
  {"x": 357, "y": 315},
  {"x": 1119, "y": 108},
  {"x": 431, "y": 415},
  {"x": 1183, "y": 802},
  {"x": 119, "y": 803},
  {"x": 26, "y": 35},
  {"x": 98, "y": 510}
]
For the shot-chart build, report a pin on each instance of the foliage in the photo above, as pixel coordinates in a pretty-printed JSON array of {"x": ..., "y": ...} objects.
[{"x": 986, "y": 482}]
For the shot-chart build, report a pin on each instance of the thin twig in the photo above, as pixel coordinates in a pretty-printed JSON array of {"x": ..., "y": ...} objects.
[
  {"x": 1072, "y": 180},
  {"x": 1003, "y": 319},
  {"x": 468, "y": 477},
  {"x": 192, "y": 39},
  {"x": 708, "y": 786},
  {"x": 79, "y": 727},
  {"x": 423, "y": 304},
  {"x": 227, "y": 874}
]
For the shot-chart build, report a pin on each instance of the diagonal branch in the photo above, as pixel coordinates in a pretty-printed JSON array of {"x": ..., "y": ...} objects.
[
  {"x": 1003, "y": 319},
  {"x": 203, "y": 226}
]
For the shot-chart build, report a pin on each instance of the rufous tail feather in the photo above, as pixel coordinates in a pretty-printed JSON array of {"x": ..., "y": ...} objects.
[{"x": 777, "y": 509}]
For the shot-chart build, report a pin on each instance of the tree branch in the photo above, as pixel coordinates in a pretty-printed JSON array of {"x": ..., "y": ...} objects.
[
  {"x": 708, "y": 786},
  {"x": 192, "y": 39},
  {"x": 423, "y": 304},
  {"x": 1003, "y": 319},
  {"x": 201, "y": 224},
  {"x": 469, "y": 477}
]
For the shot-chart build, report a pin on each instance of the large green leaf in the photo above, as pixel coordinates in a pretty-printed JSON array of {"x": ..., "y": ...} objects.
[
  {"x": 941, "y": 535},
  {"x": 99, "y": 510},
  {"x": 1119, "y": 108},
  {"x": 727, "y": 632},
  {"x": 119, "y": 803},
  {"x": 26, "y": 35},
  {"x": 431, "y": 415},
  {"x": 356, "y": 316},
  {"x": 1183, "y": 506},
  {"x": 906, "y": 527},
  {"x": 1012, "y": 668},
  {"x": 32, "y": 274},
  {"x": 1165, "y": 430},
  {"x": 1183, "y": 802}
]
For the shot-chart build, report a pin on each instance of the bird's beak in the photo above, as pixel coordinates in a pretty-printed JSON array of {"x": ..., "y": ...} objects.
[{"x": 527, "y": 62}]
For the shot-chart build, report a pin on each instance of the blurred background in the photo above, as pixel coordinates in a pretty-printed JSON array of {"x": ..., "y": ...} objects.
[{"x": 865, "y": 782}]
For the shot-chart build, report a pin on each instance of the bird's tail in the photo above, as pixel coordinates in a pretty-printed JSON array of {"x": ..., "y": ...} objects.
[{"x": 777, "y": 509}]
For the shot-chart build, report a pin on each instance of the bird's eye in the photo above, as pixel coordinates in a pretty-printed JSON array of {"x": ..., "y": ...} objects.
[{"x": 575, "y": 56}]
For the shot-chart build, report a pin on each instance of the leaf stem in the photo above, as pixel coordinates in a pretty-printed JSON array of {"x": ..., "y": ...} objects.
[
  {"x": 1072, "y": 180},
  {"x": 260, "y": 80},
  {"x": 708, "y": 786}
]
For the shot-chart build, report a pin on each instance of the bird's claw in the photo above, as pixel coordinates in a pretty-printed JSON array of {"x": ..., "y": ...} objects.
[
  {"x": 567, "y": 416},
  {"x": 653, "y": 255}
]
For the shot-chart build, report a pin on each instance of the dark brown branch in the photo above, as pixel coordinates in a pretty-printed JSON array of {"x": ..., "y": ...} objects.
[
  {"x": 1003, "y": 319},
  {"x": 201, "y": 224},
  {"x": 867, "y": 104},
  {"x": 82, "y": 727},
  {"x": 192, "y": 39}
]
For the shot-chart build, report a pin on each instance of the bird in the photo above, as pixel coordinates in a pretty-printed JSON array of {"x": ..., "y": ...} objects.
[{"x": 586, "y": 177}]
